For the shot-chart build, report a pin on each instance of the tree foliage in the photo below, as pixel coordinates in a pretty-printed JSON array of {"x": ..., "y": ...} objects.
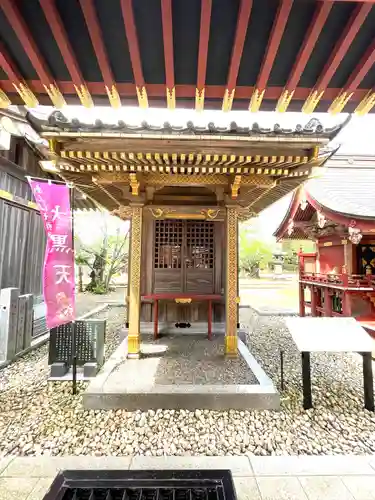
[
  {"x": 254, "y": 253},
  {"x": 106, "y": 258}
]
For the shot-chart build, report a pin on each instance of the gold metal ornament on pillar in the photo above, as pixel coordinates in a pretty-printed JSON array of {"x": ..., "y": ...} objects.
[
  {"x": 231, "y": 278},
  {"x": 135, "y": 283}
]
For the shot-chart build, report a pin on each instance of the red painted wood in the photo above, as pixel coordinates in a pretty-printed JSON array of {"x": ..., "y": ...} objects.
[
  {"x": 351, "y": 29},
  {"x": 24, "y": 35},
  {"x": 61, "y": 37},
  {"x": 10, "y": 69},
  {"x": 184, "y": 91},
  {"x": 156, "y": 318},
  {"x": 327, "y": 307},
  {"x": 301, "y": 301},
  {"x": 96, "y": 36},
  {"x": 274, "y": 42},
  {"x": 361, "y": 70},
  {"x": 209, "y": 327},
  {"x": 131, "y": 35},
  {"x": 172, "y": 296},
  {"x": 204, "y": 36},
  {"x": 364, "y": 225},
  {"x": 320, "y": 16},
  {"x": 346, "y": 304},
  {"x": 239, "y": 40},
  {"x": 314, "y": 302},
  {"x": 166, "y": 12}
]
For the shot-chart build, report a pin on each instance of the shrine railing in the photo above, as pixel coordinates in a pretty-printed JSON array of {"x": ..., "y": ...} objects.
[{"x": 339, "y": 280}]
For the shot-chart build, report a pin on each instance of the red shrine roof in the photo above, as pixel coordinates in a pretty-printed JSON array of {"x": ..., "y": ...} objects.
[
  {"x": 344, "y": 195},
  {"x": 241, "y": 54}
]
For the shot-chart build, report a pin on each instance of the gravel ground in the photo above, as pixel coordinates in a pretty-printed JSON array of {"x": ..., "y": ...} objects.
[
  {"x": 195, "y": 360},
  {"x": 44, "y": 418}
]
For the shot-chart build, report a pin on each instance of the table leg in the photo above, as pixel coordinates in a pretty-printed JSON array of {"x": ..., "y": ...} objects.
[
  {"x": 156, "y": 318},
  {"x": 368, "y": 384},
  {"x": 306, "y": 380},
  {"x": 209, "y": 320}
]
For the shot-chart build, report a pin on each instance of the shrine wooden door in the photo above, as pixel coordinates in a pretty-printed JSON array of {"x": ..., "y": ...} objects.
[{"x": 184, "y": 256}]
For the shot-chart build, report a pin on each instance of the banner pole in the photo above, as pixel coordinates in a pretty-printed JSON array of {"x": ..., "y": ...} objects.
[
  {"x": 74, "y": 339},
  {"x": 44, "y": 179}
]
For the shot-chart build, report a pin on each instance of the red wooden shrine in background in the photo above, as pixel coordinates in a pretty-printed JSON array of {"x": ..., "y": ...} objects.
[{"x": 338, "y": 214}]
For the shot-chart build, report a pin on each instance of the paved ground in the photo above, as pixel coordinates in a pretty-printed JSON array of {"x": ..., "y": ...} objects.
[
  {"x": 87, "y": 301},
  {"x": 190, "y": 359},
  {"x": 255, "y": 478}
]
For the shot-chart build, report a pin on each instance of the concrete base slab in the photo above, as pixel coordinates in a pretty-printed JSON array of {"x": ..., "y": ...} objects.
[{"x": 132, "y": 384}]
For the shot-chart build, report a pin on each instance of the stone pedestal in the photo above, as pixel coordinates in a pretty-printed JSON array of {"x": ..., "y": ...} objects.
[{"x": 8, "y": 322}]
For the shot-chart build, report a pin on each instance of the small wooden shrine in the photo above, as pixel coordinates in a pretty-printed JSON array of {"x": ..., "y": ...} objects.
[
  {"x": 184, "y": 190},
  {"x": 337, "y": 211}
]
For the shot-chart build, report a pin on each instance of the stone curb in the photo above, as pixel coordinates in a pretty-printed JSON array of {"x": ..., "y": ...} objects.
[{"x": 240, "y": 466}]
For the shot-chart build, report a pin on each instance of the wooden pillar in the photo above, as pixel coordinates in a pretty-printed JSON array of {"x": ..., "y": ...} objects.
[
  {"x": 301, "y": 300},
  {"x": 314, "y": 301},
  {"x": 231, "y": 282},
  {"x": 348, "y": 256},
  {"x": 135, "y": 282},
  {"x": 327, "y": 303}
]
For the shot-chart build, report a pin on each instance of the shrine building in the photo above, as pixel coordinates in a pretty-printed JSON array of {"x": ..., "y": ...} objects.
[
  {"x": 337, "y": 212},
  {"x": 184, "y": 189}
]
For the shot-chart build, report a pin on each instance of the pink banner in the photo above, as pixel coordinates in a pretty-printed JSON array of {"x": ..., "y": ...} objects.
[{"x": 58, "y": 277}]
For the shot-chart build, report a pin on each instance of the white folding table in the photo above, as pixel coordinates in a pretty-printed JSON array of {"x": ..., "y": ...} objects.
[{"x": 332, "y": 335}]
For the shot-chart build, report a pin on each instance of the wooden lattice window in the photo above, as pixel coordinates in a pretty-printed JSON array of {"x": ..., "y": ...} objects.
[
  {"x": 200, "y": 244},
  {"x": 168, "y": 243}
]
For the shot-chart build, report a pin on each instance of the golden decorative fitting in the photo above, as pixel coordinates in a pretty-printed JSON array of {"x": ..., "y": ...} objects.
[
  {"x": 339, "y": 103},
  {"x": 199, "y": 99},
  {"x": 238, "y": 300},
  {"x": 4, "y": 100},
  {"x": 134, "y": 184},
  {"x": 124, "y": 212},
  {"x": 183, "y": 301},
  {"x": 256, "y": 100},
  {"x": 26, "y": 95},
  {"x": 113, "y": 96},
  {"x": 133, "y": 346},
  {"x": 312, "y": 101},
  {"x": 231, "y": 343},
  {"x": 171, "y": 98},
  {"x": 210, "y": 213},
  {"x": 142, "y": 97},
  {"x": 228, "y": 99},
  {"x": 284, "y": 101},
  {"x": 231, "y": 281},
  {"x": 84, "y": 96},
  {"x": 366, "y": 104},
  {"x": 55, "y": 95},
  {"x": 236, "y": 186},
  {"x": 52, "y": 146},
  {"x": 245, "y": 213},
  {"x": 159, "y": 213},
  {"x": 135, "y": 282}
]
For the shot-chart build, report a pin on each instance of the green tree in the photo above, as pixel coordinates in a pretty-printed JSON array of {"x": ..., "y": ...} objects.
[
  {"x": 106, "y": 258},
  {"x": 254, "y": 254}
]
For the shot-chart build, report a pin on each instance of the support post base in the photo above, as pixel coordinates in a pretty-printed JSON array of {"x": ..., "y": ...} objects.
[
  {"x": 133, "y": 346},
  {"x": 231, "y": 345}
]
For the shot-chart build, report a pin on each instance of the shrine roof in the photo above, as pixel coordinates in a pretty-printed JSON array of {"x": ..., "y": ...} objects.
[
  {"x": 344, "y": 193},
  {"x": 57, "y": 124}
]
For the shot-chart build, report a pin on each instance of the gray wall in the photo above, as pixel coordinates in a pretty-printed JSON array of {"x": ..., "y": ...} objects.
[{"x": 22, "y": 238}]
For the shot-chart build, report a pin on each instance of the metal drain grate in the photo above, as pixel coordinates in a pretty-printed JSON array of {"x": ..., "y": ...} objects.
[{"x": 142, "y": 485}]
